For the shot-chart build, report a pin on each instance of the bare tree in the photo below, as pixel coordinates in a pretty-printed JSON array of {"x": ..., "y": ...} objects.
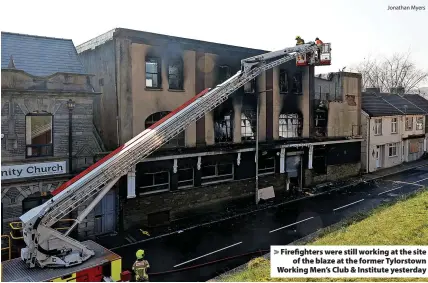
[{"x": 392, "y": 72}]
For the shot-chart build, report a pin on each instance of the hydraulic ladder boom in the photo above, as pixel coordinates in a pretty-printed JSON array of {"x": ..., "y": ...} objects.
[{"x": 48, "y": 247}]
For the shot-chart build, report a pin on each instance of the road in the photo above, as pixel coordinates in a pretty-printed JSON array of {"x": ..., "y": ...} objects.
[{"x": 202, "y": 253}]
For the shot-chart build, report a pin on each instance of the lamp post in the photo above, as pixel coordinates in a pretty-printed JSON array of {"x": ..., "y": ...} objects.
[
  {"x": 70, "y": 105},
  {"x": 257, "y": 145}
]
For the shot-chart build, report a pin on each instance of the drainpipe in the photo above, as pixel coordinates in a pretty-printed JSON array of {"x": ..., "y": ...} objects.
[{"x": 368, "y": 147}]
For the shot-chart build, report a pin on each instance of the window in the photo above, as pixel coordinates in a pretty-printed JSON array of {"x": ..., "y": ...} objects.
[
  {"x": 154, "y": 182},
  {"x": 267, "y": 165},
  {"x": 419, "y": 123},
  {"x": 394, "y": 125},
  {"x": 216, "y": 171},
  {"x": 378, "y": 127},
  {"x": 290, "y": 126},
  {"x": 250, "y": 87},
  {"x": 297, "y": 84},
  {"x": 409, "y": 123},
  {"x": 153, "y": 73},
  {"x": 175, "y": 74},
  {"x": 248, "y": 125},
  {"x": 223, "y": 127},
  {"x": 224, "y": 73},
  {"x": 178, "y": 140},
  {"x": 38, "y": 134},
  {"x": 185, "y": 177},
  {"x": 393, "y": 149},
  {"x": 283, "y": 81}
]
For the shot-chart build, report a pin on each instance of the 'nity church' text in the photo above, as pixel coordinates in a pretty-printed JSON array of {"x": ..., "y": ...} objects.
[{"x": 406, "y": 8}]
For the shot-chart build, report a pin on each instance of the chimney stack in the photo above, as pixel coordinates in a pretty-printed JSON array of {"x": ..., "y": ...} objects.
[{"x": 397, "y": 90}]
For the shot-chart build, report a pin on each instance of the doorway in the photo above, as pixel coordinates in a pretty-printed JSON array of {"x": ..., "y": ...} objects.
[{"x": 105, "y": 214}]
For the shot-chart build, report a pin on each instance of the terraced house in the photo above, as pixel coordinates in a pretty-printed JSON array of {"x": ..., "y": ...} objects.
[
  {"x": 143, "y": 76},
  {"x": 394, "y": 128}
]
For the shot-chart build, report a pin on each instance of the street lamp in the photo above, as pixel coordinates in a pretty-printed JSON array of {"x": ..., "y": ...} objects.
[
  {"x": 257, "y": 144},
  {"x": 70, "y": 105}
]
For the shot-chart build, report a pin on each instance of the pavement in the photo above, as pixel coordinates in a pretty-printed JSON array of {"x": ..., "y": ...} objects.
[{"x": 203, "y": 252}]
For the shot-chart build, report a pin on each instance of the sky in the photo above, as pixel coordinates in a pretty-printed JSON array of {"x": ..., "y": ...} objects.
[{"x": 356, "y": 29}]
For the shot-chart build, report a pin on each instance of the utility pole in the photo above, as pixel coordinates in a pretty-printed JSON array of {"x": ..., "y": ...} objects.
[{"x": 257, "y": 145}]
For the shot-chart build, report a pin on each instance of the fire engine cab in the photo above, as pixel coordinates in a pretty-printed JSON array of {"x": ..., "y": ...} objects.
[{"x": 320, "y": 58}]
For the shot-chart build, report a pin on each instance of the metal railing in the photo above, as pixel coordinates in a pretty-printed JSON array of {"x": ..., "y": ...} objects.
[
  {"x": 9, "y": 245},
  {"x": 16, "y": 228}
]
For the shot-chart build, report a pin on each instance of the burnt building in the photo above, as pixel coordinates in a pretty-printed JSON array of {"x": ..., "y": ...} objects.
[
  {"x": 44, "y": 91},
  {"x": 143, "y": 76}
]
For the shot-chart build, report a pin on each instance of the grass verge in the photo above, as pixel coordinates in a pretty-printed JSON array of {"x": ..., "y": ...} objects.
[{"x": 402, "y": 223}]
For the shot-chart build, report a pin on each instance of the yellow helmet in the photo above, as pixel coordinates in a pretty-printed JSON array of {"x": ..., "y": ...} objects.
[
  {"x": 140, "y": 254},
  {"x": 297, "y": 37}
]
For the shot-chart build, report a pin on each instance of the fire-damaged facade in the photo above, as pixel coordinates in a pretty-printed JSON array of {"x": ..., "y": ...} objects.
[{"x": 303, "y": 139}]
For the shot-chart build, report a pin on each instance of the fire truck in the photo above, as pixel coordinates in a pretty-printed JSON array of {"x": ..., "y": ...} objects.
[{"x": 52, "y": 255}]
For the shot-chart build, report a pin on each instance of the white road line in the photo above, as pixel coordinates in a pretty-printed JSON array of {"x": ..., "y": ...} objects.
[
  {"x": 128, "y": 239},
  {"x": 407, "y": 183},
  {"x": 291, "y": 224},
  {"x": 421, "y": 180},
  {"x": 132, "y": 238},
  {"x": 389, "y": 191},
  {"x": 348, "y": 204},
  {"x": 208, "y": 254}
]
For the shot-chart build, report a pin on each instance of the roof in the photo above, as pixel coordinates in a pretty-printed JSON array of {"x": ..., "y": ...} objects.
[
  {"x": 384, "y": 104},
  {"x": 39, "y": 56}
]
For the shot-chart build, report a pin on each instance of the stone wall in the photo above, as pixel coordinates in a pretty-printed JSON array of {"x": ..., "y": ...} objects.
[
  {"x": 136, "y": 211},
  {"x": 334, "y": 173}
]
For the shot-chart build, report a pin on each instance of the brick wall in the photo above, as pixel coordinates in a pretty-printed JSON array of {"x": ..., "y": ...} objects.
[
  {"x": 181, "y": 202},
  {"x": 334, "y": 172}
]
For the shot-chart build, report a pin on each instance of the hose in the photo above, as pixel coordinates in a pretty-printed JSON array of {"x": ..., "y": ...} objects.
[{"x": 207, "y": 263}]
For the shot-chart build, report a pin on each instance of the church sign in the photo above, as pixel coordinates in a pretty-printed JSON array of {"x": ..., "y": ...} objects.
[{"x": 32, "y": 170}]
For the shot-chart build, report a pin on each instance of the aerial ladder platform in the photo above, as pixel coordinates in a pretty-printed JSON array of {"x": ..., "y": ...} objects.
[{"x": 48, "y": 248}]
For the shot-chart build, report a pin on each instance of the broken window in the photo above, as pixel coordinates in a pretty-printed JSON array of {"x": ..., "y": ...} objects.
[
  {"x": 175, "y": 74},
  {"x": 248, "y": 125},
  {"x": 154, "y": 182},
  {"x": 153, "y": 72},
  {"x": 185, "y": 177},
  {"x": 38, "y": 134},
  {"x": 177, "y": 141},
  {"x": 283, "y": 81},
  {"x": 250, "y": 87},
  {"x": 321, "y": 121},
  {"x": 290, "y": 125},
  {"x": 223, "y": 126},
  {"x": 266, "y": 165},
  {"x": 297, "y": 84},
  {"x": 224, "y": 73},
  {"x": 216, "y": 171}
]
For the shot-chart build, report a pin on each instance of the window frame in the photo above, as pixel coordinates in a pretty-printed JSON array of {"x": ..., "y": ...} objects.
[
  {"x": 391, "y": 147},
  {"x": 281, "y": 73},
  {"x": 49, "y": 146},
  {"x": 244, "y": 118},
  {"x": 230, "y": 127},
  {"x": 407, "y": 124},
  {"x": 289, "y": 117},
  {"x": 206, "y": 180},
  {"x": 394, "y": 122},
  {"x": 175, "y": 141},
  {"x": 156, "y": 185},
  {"x": 297, "y": 87},
  {"x": 266, "y": 170},
  {"x": 378, "y": 130},
  {"x": 192, "y": 180},
  {"x": 158, "y": 61},
  {"x": 419, "y": 123},
  {"x": 179, "y": 77}
]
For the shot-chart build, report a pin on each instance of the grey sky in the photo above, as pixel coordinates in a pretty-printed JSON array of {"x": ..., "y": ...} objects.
[{"x": 355, "y": 28}]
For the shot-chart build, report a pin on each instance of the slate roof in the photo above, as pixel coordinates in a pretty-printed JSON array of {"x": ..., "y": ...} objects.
[
  {"x": 39, "y": 56},
  {"x": 384, "y": 104}
]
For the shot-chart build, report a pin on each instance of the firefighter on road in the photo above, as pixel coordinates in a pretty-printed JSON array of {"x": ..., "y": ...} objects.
[{"x": 140, "y": 267}]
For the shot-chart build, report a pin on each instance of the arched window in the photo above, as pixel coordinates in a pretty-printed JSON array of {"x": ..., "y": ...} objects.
[
  {"x": 175, "y": 74},
  {"x": 290, "y": 125},
  {"x": 177, "y": 141},
  {"x": 38, "y": 134}
]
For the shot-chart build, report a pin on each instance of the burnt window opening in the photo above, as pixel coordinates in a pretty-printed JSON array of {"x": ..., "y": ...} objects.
[
  {"x": 175, "y": 74},
  {"x": 321, "y": 121},
  {"x": 153, "y": 72},
  {"x": 177, "y": 141},
  {"x": 154, "y": 182},
  {"x": 248, "y": 125},
  {"x": 297, "y": 84},
  {"x": 223, "y": 126},
  {"x": 216, "y": 172},
  {"x": 250, "y": 87},
  {"x": 38, "y": 134},
  {"x": 319, "y": 161},
  {"x": 266, "y": 165},
  {"x": 185, "y": 177},
  {"x": 224, "y": 73},
  {"x": 283, "y": 81},
  {"x": 290, "y": 125}
]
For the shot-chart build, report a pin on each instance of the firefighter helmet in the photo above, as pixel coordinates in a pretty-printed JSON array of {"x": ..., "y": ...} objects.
[
  {"x": 297, "y": 37},
  {"x": 140, "y": 254}
]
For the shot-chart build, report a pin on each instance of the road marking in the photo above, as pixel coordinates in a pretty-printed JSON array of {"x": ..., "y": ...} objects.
[
  {"x": 407, "y": 183},
  {"x": 132, "y": 238},
  {"x": 348, "y": 204},
  {"x": 421, "y": 180},
  {"x": 208, "y": 254},
  {"x": 129, "y": 240},
  {"x": 389, "y": 191},
  {"x": 291, "y": 224}
]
